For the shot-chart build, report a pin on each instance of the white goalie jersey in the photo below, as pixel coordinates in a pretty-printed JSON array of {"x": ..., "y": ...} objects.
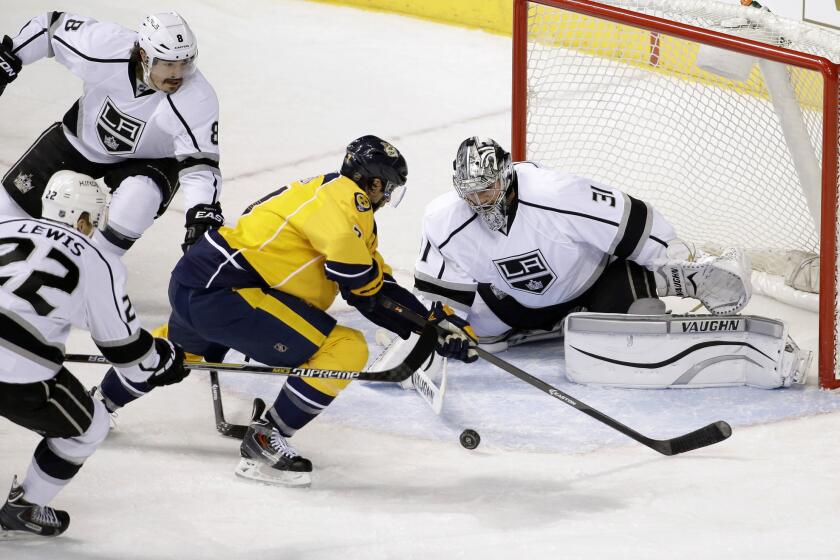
[
  {"x": 117, "y": 116},
  {"x": 52, "y": 277},
  {"x": 565, "y": 231}
]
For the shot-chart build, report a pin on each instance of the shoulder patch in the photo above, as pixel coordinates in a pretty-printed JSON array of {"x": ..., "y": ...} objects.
[{"x": 362, "y": 202}]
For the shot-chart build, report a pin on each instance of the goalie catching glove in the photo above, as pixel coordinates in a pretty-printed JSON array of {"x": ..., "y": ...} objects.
[
  {"x": 459, "y": 341},
  {"x": 722, "y": 284}
]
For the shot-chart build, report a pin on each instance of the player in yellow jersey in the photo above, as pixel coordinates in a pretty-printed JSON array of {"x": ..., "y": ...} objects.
[{"x": 262, "y": 287}]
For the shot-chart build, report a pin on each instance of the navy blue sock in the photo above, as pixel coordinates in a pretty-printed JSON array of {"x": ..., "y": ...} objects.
[
  {"x": 297, "y": 404},
  {"x": 119, "y": 391}
]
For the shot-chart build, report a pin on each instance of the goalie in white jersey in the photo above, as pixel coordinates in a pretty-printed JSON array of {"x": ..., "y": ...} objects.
[
  {"x": 517, "y": 249},
  {"x": 147, "y": 121},
  {"x": 52, "y": 277}
]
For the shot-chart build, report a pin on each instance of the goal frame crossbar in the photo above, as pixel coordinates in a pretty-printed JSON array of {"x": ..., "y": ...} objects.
[{"x": 831, "y": 94}]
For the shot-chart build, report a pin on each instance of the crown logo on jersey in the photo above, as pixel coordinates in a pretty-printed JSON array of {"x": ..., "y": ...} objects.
[
  {"x": 534, "y": 285},
  {"x": 111, "y": 142},
  {"x": 23, "y": 182}
]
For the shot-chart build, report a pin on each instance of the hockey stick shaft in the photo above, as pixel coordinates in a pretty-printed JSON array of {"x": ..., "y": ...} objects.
[
  {"x": 421, "y": 351},
  {"x": 707, "y": 435}
]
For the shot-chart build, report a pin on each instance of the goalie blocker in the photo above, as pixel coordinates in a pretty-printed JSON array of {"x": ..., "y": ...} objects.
[{"x": 666, "y": 351}]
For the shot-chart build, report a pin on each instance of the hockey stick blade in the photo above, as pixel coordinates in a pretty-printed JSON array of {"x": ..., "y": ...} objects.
[
  {"x": 235, "y": 431},
  {"x": 418, "y": 355},
  {"x": 714, "y": 433},
  {"x": 708, "y": 435}
]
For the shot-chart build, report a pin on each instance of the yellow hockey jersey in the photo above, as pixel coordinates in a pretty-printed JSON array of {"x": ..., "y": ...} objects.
[{"x": 304, "y": 239}]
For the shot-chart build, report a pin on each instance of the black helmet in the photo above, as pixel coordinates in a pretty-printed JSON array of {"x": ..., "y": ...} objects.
[{"x": 370, "y": 157}]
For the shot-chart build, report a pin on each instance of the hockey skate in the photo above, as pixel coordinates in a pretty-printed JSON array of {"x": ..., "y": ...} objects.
[
  {"x": 19, "y": 515},
  {"x": 268, "y": 457}
]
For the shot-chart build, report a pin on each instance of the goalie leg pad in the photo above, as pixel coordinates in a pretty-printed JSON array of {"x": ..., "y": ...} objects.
[{"x": 664, "y": 351}]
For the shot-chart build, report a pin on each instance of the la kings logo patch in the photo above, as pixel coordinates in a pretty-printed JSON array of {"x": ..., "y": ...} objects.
[
  {"x": 119, "y": 133},
  {"x": 528, "y": 272}
]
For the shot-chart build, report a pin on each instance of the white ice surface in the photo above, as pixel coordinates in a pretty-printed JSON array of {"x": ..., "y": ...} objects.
[{"x": 297, "y": 81}]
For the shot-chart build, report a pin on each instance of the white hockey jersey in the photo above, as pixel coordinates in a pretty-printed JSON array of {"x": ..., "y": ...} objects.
[
  {"x": 565, "y": 231},
  {"x": 117, "y": 116},
  {"x": 52, "y": 277}
]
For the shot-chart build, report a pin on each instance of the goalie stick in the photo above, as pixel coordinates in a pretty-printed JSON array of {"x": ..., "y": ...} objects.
[
  {"x": 402, "y": 371},
  {"x": 705, "y": 436},
  {"x": 431, "y": 392}
]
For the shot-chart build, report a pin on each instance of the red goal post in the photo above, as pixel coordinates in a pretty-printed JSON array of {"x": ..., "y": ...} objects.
[{"x": 647, "y": 95}]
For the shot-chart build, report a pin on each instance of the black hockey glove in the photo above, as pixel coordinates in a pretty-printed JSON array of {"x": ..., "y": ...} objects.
[
  {"x": 200, "y": 218},
  {"x": 459, "y": 340},
  {"x": 375, "y": 312},
  {"x": 170, "y": 369},
  {"x": 10, "y": 64}
]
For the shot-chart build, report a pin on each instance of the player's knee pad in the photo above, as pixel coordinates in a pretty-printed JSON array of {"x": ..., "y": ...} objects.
[
  {"x": 58, "y": 407},
  {"x": 344, "y": 349},
  {"x": 77, "y": 449}
]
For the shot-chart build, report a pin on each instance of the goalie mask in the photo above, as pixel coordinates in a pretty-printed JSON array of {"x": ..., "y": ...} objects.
[
  {"x": 68, "y": 195},
  {"x": 483, "y": 173},
  {"x": 171, "y": 50}
]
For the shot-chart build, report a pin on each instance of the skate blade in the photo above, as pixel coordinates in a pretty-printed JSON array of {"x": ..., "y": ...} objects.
[
  {"x": 254, "y": 470},
  {"x": 20, "y": 535}
]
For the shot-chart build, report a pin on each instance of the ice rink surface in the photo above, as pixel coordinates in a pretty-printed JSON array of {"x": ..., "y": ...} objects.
[{"x": 296, "y": 82}]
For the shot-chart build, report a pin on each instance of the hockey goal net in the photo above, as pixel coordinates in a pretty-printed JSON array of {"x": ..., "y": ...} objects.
[{"x": 721, "y": 115}]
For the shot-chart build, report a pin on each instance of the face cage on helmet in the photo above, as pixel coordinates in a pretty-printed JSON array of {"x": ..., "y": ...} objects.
[{"x": 493, "y": 211}]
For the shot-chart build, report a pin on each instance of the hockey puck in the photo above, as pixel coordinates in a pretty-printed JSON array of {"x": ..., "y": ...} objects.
[{"x": 470, "y": 439}]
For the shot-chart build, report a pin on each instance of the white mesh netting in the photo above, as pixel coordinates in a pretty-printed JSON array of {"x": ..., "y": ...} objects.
[{"x": 727, "y": 146}]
